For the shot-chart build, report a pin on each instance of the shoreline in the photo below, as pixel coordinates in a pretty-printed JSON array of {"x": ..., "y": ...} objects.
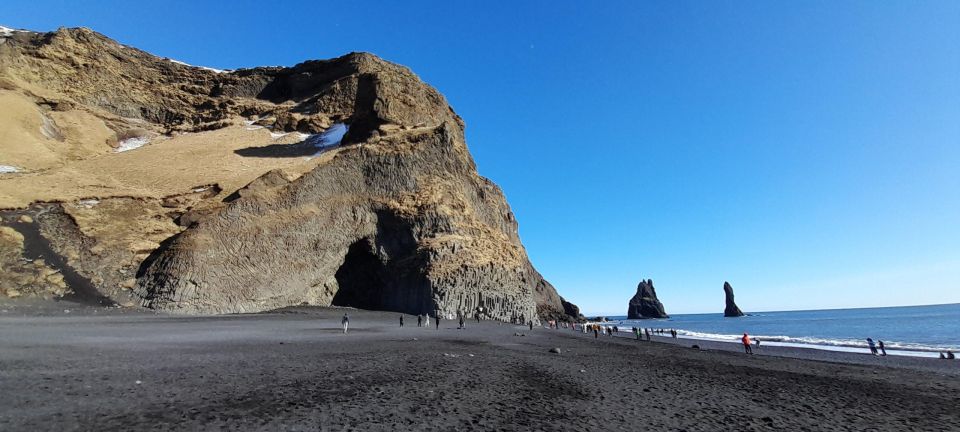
[
  {"x": 811, "y": 353},
  {"x": 894, "y": 349},
  {"x": 36, "y": 308},
  {"x": 295, "y": 370}
]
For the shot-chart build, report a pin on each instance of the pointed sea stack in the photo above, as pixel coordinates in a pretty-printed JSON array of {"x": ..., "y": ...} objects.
[
  {"x": 644, "y": 303},
  {"x": 731, "y": 311}
]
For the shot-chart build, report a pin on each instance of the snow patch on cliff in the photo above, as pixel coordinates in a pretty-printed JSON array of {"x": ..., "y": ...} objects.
[
  {"x": 7, "y": 31},
  {"x": 327, "y": 139},
  {"x": 199, "y": 67},
  {"x": 131, "y": 144}
]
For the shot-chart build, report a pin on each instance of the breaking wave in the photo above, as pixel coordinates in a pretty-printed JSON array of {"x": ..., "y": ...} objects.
[{"x": 818, "y": 343}]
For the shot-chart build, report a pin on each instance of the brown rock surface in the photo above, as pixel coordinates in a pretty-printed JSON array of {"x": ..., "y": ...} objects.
[{"x": 218, "y": 214}]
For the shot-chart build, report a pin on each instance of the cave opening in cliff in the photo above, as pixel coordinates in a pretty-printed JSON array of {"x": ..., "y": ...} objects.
[{"x": 361, "y": 278}]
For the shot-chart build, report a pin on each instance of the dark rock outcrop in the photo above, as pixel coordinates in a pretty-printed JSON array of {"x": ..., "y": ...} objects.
[
  {"x": 731, "y": 309},
  {"x": 393, "y": 217},
  {"x": 645, "y": 303}
]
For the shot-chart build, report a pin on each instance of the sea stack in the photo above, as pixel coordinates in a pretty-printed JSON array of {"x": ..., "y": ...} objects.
[
  {"x": 731, "y": 310},
  {"x": 644, "y": 303}
]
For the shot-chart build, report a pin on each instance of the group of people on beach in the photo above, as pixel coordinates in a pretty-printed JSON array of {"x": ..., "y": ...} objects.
[
  {"x": 876, "y": 348},
  {"x": 421, "y": 319}
]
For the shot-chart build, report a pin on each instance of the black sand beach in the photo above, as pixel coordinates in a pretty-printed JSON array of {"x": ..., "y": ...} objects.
[{"x": 98, "y": 369}]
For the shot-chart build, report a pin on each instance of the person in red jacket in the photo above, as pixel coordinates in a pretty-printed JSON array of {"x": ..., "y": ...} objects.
[{"x": 746, "y": 344}]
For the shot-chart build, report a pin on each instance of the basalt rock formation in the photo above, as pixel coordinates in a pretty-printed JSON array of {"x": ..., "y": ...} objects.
[
  {"x": 645, "y": 303},
  {"x": 236, "y": 195},
  {"x": 731, "y": 310}
]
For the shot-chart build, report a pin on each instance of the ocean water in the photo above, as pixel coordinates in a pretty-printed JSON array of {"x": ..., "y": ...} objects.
[{"x": 908, "y": 330}]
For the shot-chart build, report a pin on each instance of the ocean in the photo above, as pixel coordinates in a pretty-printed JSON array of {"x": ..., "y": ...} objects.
[{"x": 907, "y": 330}]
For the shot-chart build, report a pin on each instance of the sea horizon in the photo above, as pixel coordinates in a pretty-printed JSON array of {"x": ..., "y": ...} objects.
[
  {"x": 922, "y": 330},
  {"x": 610, "y": 316}
]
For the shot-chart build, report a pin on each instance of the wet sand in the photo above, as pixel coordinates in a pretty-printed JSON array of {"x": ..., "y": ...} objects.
[{"x": 98, "y": 369}]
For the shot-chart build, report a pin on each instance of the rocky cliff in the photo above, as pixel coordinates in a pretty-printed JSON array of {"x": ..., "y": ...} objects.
[
  {"x": 186, "y": 189},
  {"x": 731, "y": 310},
  {"x": 645, "y": 303}
]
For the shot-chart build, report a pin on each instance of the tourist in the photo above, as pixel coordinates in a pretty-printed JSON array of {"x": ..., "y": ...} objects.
[
  {"x": 950, "y": 355},
  {"x": 746, "y": 344},
  {"x": 437, "y": 318},
  {"x": 673, "y": 333},
  {"x": 873, "y": 346},
  {"x": 942, "y": 357},
  {"x": 883, "y": 349},
  {"x": 647, "y": 331},
  {"x": 401, "y": 320},
  {"x": 346, "y": 323},
  {"x": 461, "y": 323},
  {"x": 596, "y": 332},
  {"x": 758, "y": 342},
  {"x": 420, "y": 320},
  {"x": 531, "y": 325}
]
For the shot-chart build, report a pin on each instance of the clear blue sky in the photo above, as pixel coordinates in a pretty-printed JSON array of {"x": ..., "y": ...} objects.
[{"x": 807, "y": 152}]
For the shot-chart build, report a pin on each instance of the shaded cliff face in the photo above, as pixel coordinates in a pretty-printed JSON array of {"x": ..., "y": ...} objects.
[
  {"x": 645, "y": 303},
  {"x": 245, "y": 198},
  {"x": 731, "y": 310}
]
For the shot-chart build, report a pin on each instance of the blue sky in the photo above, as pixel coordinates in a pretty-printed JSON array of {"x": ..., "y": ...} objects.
[{"x": 807, "y": 152}]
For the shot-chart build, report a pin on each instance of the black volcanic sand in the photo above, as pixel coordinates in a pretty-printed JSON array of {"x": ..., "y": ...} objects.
[{"x": 295, "y": 370}]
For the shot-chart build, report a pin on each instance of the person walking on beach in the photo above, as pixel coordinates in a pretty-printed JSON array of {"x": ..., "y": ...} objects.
[
  {"x": 647, "y": 331},
  {"x": 437, "y": 319},
  {"x": 401, "y": 320},
  {"x": 531, "y": 325},
  {"x": 596, "y": 332},
  {"x": 873, "y": 346},
  {"x": 758, "y": 342},
  {"x": 420, "y": 320},
  {"x": 461, "y": 323},
  {"x": 950, "y": 356},
  {"x": 345, "y": 321},
  {"x": 883, "y": 349},
  {"x": 746, "y": 344}
]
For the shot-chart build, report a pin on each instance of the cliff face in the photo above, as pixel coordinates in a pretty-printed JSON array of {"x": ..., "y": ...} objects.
[
  {"x": 645, "y": 303},
  {"x": 731, "y": 310},
  {"x": 340, "y": 182}
]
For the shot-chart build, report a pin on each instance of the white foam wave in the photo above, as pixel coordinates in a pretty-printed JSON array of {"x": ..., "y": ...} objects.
[{"x": 849, "y": 345}]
